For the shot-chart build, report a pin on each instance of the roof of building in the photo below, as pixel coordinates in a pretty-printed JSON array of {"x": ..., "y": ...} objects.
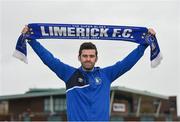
[
  {"x": 35, "y": 92},
  {"x": 139, "y": 92}
]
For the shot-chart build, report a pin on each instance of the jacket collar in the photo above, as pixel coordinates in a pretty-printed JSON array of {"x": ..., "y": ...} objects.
[{"x": 85, "y": 71}]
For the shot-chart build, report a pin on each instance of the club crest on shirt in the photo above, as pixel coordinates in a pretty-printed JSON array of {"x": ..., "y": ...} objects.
[{"x": 98, "y": 80}]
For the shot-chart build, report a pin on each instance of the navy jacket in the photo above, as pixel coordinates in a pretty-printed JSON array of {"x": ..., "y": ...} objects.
[{"x": 87, "y": 93}]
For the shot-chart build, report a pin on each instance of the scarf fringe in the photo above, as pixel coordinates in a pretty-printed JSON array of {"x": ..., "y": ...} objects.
[
  {"x": 19, "y": 55},
  {"x": 156, "y": 61}
]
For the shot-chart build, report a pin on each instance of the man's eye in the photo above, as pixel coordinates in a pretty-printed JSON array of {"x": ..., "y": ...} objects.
[
  {"x": 84, "y": 56},
  {"x": 92, "y": 56}
]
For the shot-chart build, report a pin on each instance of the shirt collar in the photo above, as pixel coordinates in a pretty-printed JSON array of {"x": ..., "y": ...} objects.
[{"x": 93, "y": 70}]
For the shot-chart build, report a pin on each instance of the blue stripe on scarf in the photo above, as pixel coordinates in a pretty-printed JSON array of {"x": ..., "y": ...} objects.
[{"x": 88, "y": 31}]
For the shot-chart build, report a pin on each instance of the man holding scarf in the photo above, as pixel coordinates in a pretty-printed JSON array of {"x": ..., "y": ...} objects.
[{"x": 87, "y": 87}]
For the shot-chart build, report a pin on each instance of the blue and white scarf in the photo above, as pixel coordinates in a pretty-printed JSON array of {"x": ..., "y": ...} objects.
[{"x": 138, "y": 35}]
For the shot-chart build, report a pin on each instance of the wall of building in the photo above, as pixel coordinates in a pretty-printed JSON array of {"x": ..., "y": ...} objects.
[{"x": 124, "y": 107}]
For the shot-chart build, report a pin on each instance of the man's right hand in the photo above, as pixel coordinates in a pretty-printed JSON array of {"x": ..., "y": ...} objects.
[{"x": 25, "y": 30}]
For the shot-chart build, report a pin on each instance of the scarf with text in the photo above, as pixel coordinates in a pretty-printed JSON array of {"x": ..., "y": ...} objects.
[{"x": 138, "y": 35}]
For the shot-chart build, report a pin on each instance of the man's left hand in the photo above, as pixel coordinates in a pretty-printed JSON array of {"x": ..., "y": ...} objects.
[{"x": 151, "y": 31}]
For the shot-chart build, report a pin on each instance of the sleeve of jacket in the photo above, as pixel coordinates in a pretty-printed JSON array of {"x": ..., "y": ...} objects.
[
  {"x": 119, "y": 68},
  {"x": 63, "y": 71}
]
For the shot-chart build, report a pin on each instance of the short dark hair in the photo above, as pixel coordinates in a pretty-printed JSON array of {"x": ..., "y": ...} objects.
[{"x": 87, "y": 45}]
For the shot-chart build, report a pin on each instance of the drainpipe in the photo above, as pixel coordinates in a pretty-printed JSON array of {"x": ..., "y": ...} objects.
[
  {"x": 158, "y": 109},
  {"x": 111, "y": 102},
  {"x": 139, "y": 106},
  {"x": 51, "y": 105}
]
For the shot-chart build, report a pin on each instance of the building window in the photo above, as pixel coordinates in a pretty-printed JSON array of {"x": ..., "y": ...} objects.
[
  {"x": 59, "y": 104},
  {"x": 172, "y": 105},
  {"x": 156, "y": 104},
  {"x": 3, "y": 107},
  {"x": 47, "y": 104}
]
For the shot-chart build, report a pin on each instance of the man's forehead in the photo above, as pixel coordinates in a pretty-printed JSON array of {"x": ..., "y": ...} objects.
[{"x": 89, "y": 51}]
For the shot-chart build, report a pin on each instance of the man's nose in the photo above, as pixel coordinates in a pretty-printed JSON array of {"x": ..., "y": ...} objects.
[{"x": 88, "y": 58}]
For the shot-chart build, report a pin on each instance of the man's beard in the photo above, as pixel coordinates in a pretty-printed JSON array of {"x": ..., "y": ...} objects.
[{"x": 87, "y": 68}]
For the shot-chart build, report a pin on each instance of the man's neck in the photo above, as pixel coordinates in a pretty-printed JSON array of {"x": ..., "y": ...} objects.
[{"x": 90, "y": 70}]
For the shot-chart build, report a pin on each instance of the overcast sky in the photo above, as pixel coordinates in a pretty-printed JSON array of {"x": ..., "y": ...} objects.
[{"x": 162, "y": 15}]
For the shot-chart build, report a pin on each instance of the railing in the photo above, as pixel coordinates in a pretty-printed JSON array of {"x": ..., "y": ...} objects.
[
  {"x": 41, "y": 116},
  {"x": 143, "y": 117}
]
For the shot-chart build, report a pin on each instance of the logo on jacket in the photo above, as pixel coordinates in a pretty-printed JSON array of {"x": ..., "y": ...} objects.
[
  {"x": 98, "y": 80},
  {"x": 80, "y": 80}
]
